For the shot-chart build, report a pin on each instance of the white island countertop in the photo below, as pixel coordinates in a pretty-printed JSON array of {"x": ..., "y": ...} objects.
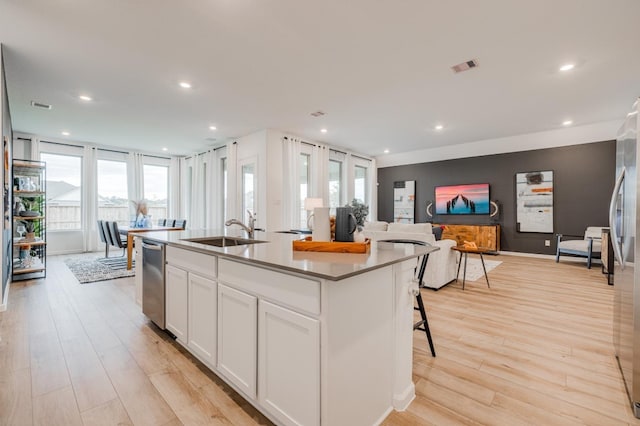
[{"x": 277, "y": 252}]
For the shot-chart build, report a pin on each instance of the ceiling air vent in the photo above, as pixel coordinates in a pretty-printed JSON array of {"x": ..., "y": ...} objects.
[
  {"x": 465, "y": 66},
  {"x": 40, "y": 105},
  {"x": 318, "y": 114}
]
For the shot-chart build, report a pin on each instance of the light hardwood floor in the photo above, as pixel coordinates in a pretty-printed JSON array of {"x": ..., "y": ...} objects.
[{"x": 534, "y": 349}]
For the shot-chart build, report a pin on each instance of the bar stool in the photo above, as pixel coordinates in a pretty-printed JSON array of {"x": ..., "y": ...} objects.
[{"x": 423, "y": 324}]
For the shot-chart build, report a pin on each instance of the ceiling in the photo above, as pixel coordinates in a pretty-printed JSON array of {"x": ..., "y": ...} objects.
[{"x": 380, "y": 70}]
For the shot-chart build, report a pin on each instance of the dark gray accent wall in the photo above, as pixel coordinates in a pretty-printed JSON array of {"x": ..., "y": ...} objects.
[{"x": 583, "y": 178}]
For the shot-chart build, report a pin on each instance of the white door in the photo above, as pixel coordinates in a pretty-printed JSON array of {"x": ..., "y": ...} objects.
[
  {"x": 176, "y": 302},
  {"x": 237, "y": 338},
  {"x": 203, "y": 305},
  {"x": 289, "y": 365}
]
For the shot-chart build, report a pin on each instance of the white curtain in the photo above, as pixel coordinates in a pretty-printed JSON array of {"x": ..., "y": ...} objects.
[
  {"x": 35, "y": 149},
  {"x": 198, "y": 186},
  {"x": 213, "y": 185},
  {"x": 135, "y": 179},
  {"x": 291, "y": 183},
  {"x": 175, "y": 196},
  {"x": 373, "y": 191},
  {"x": 90, "y": 198},
  {"x": 320, "y": 171},
  {"x": 232, "y": 181}
]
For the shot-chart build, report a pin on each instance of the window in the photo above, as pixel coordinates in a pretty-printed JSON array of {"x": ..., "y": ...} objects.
[
  {"x": 305, "y": 185},
  {"x": 360, "y": 184},
  {"x": 248, "y": 190},
  {"x": 335, "y": 184},
  {"x": 64, "y": 191},
  {"x": 156, "y": 190},
  {"x": 113, "y": 200}
]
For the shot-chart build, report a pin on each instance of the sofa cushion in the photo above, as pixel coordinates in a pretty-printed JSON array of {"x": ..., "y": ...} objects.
[
  {"x": 422, "y": 228},
  {"x": 437, "y": 232},
  {"x": 376, "y": 226}
]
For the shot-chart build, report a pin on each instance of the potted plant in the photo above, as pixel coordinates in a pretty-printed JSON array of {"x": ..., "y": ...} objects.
[
  {"x": 360, "y": 212},
  {"x": 30, "y": 226}
]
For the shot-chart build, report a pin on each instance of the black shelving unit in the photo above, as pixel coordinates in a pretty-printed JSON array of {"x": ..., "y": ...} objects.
[{"x": 29, "y": 222}]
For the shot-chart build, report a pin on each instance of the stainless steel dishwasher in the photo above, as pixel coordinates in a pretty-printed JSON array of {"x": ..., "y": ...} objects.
[{"x": 153, "y": 261}]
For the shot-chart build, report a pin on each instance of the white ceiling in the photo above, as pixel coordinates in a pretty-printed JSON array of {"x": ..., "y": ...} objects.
[{"x": 379, "y": 69}]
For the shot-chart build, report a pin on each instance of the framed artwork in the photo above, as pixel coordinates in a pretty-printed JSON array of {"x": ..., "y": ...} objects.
[
  {"x": 404, "y": 200},
  {"x": 534, "y": 202}
]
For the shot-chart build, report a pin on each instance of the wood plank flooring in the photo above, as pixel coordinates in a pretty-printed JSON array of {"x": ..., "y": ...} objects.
[{"x": 536, "y": 348}]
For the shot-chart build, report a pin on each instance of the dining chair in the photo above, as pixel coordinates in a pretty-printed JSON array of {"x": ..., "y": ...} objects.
[
  {"x": 161, "y": 222},
  {"x": 180, "y": 223},
  {"x": 116, "y": 238},
  {"x": 103, "y": 238},
  {"x": 170, "y": 222}
]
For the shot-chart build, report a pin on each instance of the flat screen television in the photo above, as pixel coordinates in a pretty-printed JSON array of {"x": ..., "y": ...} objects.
[{"x": 463, "y": 199}]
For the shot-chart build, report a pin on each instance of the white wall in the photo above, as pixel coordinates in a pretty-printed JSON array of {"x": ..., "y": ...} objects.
[{"x": 597, "y": 132}]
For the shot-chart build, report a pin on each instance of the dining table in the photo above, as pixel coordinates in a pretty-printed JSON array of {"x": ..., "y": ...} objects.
[{"x": 130, "y": 232}]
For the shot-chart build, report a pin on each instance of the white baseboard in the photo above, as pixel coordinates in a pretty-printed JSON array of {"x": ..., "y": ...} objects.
[
  {"x": 550, "y": 257},
  {"x": 401, "y": 401}
]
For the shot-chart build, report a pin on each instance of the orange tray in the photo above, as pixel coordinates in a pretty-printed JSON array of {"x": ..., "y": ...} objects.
[{"x": 331, "y": 246}]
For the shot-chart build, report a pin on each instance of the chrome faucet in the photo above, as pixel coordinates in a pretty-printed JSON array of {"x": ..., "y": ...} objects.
[{"x": 249, "y": 229}]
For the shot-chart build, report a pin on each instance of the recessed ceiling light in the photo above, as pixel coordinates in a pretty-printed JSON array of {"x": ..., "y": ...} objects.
[
  {"x": 213, "y": 128},
  {"x": 85, "y": 98},
  {"x": 185, "y": 85},
  {"x": 567, "y": 123},
  {"x": 65, "y": 133},
  {"x": 323, "y": 130},
  {"x": 386, "y": 151},
  {"x": 567, "y": 67},
  {"x": 439, "y": 127},
  {"x": 165, "y": 149}
]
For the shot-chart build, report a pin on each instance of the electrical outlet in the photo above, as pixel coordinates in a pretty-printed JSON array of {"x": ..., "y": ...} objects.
[{"x": 547, "y": 243}]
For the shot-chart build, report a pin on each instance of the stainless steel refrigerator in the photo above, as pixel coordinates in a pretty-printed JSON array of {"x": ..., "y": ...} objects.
[{"x": 623, "y": 224}]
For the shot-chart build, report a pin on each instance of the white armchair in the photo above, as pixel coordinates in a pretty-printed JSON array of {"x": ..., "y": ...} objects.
[
  {"x": 441, "y": 266},
  {"x": 590, "y": 246}
]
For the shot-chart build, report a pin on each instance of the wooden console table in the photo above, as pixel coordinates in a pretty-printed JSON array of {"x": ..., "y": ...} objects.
[{"x": 485, "y": 236}]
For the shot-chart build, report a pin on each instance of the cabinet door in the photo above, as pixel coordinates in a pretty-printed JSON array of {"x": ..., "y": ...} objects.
[
  {"x": 176, "y": 302},
  {"x": 288, "y": 365},
  {"x": 237, "y": 338},
  {"x": 203, "y": 306}
]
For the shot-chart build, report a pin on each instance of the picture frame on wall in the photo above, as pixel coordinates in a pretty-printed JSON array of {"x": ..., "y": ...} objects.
[
  {"x": 404, "y": 200},
  {"x": 534, "y": 202}
]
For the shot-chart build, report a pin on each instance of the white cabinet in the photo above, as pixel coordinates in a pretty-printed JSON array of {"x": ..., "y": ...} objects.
[
  {"x": 237, "y": 338},
  {"x": 203, "y": 304},
  {"x": 288, "y": 365},
  {"x": 176, "y": 302}
]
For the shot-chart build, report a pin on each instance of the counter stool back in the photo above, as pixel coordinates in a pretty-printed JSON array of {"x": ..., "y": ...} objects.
[{"x": 423, "y": 324}]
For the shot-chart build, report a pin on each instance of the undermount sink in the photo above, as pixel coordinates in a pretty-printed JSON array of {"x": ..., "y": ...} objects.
[{"x": 223, "y": 241}]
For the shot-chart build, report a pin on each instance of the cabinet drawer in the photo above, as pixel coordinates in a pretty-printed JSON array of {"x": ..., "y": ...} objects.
[
  {"x": 289, "y": 290},
  {"x": 193, "y": 261}
]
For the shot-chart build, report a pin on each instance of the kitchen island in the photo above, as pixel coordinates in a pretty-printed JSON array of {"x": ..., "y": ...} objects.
[{"x": 307, "y": 338}]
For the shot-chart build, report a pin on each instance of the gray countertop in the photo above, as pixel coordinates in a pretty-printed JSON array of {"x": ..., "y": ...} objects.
[{"x": 277, "y": 253}]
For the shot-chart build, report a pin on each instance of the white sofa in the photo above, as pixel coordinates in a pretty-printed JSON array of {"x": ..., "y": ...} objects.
[{"x": 441, "y": 266}]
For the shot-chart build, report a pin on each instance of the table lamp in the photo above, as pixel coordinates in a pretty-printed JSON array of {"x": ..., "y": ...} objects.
[{"x": 309, "y": 205}]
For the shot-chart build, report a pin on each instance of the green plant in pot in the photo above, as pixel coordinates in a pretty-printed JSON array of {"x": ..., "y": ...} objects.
[
  {"x": 360, "y": 211},
  {"x": 32, "y": 206},
  {"x": 31, "y": 227}
]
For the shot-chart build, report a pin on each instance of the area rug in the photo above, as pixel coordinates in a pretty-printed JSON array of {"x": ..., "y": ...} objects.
[
  {"x": 91, "y": 268},
  {"x": 474, "y": 268}
]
